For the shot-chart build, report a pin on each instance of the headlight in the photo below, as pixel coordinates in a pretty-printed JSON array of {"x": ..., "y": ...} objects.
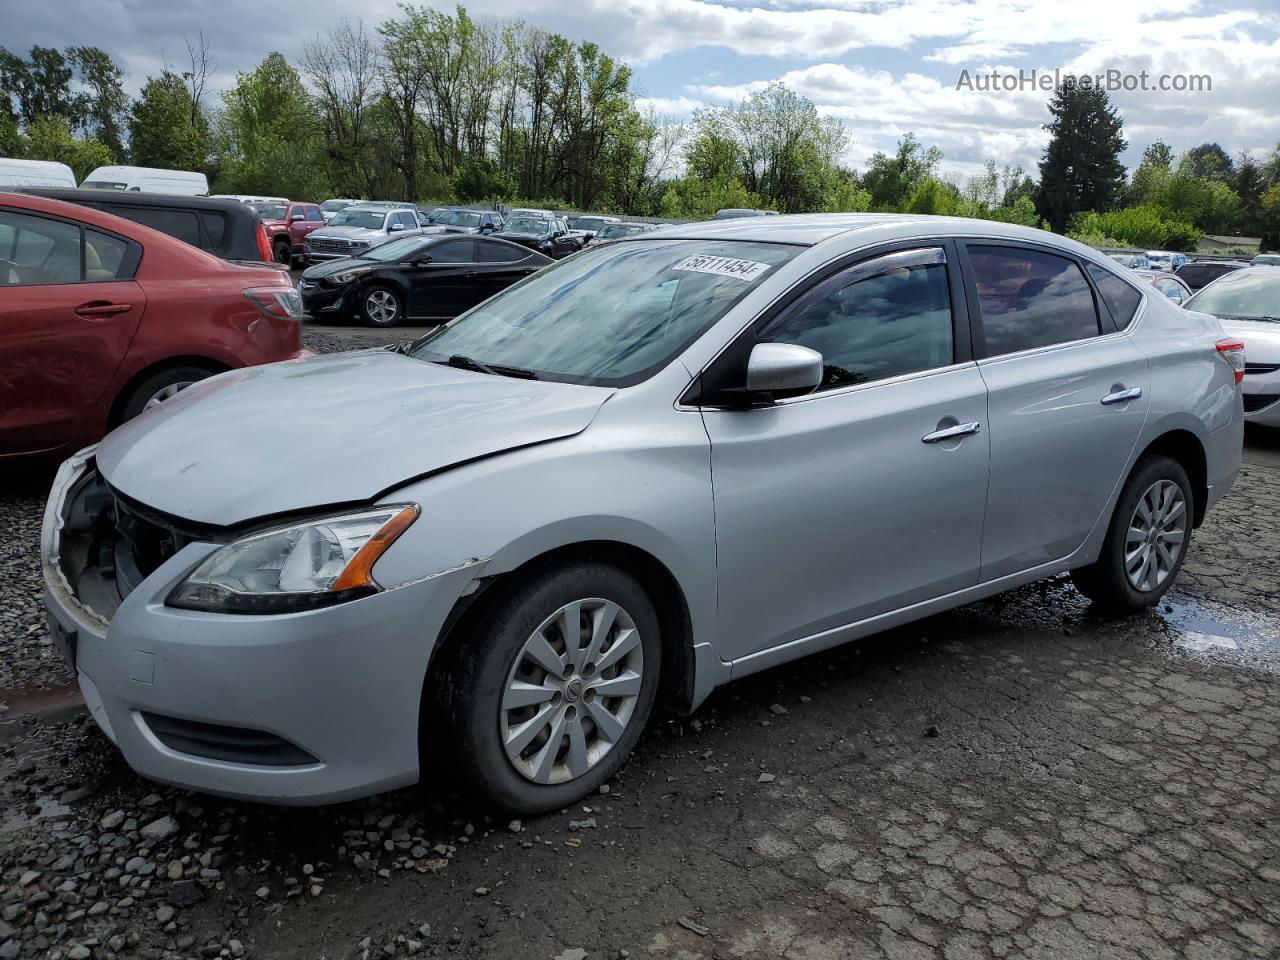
[
  {"x": 299, "y": 567},
  {"x": 346, "y": 276}
]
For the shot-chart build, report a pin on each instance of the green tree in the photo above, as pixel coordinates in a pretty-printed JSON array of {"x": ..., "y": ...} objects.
[
  {"x": 1210, "y": 162},
  {"x": 268, "y": 138},
  {"x": 1081, "y": 168},
  {"x": 37, "y": 87},
  {"x": 891, "y": 181},
  {"x": 49, "y": 138},
  {"x": 102, "y": 108},
  {"x": 479, "y": 179},
  {"x": 166, "y": 126},
  {"x": 1249, "y": 185}
]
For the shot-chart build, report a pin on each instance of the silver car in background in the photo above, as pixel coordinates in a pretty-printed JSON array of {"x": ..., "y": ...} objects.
[
  {"x": 1247, "y": 302},
  {"x": 358, "y": 227},
  {"x": 658, "y": 466}
]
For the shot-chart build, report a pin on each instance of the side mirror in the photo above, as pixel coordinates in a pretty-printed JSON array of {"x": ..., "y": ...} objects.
[
  {"x": 296, "y": 217},
  {"x": 783, "y": 368},
  {"x": 423, "y": 261},
  {"x": 395, "y": 227}
]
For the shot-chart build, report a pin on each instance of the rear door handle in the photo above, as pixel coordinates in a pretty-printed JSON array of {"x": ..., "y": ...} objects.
[
  {"x": 951, "y": 433},
  {"x": 1120, "y": 396},
  {"x": 470, "y": 276},
  {"x": 97, "y": 309}
]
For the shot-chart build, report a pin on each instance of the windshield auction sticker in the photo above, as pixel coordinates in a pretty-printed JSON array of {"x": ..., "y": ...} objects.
[{"x": 747, "y": 270}]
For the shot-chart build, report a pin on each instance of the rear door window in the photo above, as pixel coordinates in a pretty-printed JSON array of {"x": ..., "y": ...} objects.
[
  {"x": 215, "y": 229},
  {"x": 490, "y": 252},
  {"x": 455, "y": 251},
  {"x": 1120, "y": 297},
  {"x": 1030, "y": 299},
  {"x": 314, "y": 214}
]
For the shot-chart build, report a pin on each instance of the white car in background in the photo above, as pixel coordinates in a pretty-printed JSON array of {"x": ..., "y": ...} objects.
[{"x": 1247, "y": 303}]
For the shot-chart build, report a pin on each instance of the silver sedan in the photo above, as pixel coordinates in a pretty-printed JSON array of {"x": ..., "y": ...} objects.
[{"x": 658, "y": 466}]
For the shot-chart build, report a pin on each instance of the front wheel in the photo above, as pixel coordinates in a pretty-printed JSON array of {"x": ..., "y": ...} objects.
[
  {"x": 555, "y": 686},
  {"x": 1147, "y": 541},
  {"x": 381, "y": 306}
]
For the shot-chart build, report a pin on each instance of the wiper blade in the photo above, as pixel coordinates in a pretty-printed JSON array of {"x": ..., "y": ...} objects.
[
  {"x": 1261, "y": 319},
  {"x": 497, "y": 370}
]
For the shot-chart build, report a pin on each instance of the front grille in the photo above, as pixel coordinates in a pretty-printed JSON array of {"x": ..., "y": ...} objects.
[
  {"x": 325, "y": 245},
  {"x": 214, "y": 741},
  {"x": 1259, "y": 368},
  {"x": 1253, "y": 402}
]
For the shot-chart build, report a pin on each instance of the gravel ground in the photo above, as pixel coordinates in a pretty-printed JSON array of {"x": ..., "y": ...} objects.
[{"x": 1018, "y": 778}]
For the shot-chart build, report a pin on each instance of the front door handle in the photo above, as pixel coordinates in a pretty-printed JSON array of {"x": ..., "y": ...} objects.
[
  {"x": 951, "y": 433},
  {"x": 97, "y": 309},
  {"x": 470, "y": 276},
  {"x": 1120, "y": 396}
]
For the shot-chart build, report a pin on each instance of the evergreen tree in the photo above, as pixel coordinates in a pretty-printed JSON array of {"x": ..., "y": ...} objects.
[{"x": 1081, "y": 169}]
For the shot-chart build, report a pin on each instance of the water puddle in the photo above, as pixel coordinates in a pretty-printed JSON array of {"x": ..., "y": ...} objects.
[
  {"x": 40, "y": 703},
  {"x": 1218, "y": 632}
]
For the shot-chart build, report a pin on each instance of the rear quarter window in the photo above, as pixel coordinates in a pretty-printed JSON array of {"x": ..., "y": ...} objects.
[
  {"x": 182, "y": 224},
  {"x": 1119, "y": 297}
]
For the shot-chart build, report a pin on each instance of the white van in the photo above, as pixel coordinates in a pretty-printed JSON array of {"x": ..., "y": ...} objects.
[
  {"x": 148, "y": 180},
  {"x": 35, "y": 173}
]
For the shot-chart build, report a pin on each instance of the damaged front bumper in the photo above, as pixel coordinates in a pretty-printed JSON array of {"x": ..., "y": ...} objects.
[{"x": 310, "y": 707}]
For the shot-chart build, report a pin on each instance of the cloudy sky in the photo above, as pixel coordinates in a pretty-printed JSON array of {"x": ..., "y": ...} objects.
[{"x": 883, "y": 66}]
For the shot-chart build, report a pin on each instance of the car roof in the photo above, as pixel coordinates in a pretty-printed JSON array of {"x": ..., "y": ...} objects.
[
  {"x": 808, "y": 229},
  {"x": 134, "y": 197}
]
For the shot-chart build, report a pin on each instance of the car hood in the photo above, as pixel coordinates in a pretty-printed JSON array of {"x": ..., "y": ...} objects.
[
  {"x": 1261, "y": 339},
  {"x": 336, "y": 429},
  {"x": 528, "y": 239},
  {"x": 347, "y": 233}
]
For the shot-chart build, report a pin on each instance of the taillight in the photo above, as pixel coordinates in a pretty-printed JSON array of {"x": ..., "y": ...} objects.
[
  {"x": 1232, "y": 351},
  {"x": 264, "y": 245},
  {"x": 279, "y": 302}
]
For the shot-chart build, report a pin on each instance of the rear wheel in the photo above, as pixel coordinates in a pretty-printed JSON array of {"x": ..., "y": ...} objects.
[
  {"x": 381, "y": 306},
  {"x": 555, "y": 686},
  {"x": 1147, "y": 540},
  {"x": 159, "y": 387}
]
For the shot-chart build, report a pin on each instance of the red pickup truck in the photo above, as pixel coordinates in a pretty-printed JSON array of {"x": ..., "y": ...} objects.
[{"x": 287, "y": 225}]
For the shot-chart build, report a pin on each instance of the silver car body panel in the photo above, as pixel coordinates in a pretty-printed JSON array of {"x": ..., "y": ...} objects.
[
  {"x": 788, "y": 529},
  {"x": 396, "y": 417}
]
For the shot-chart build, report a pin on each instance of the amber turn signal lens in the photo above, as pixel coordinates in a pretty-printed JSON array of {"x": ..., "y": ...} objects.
[{"x": 359, "y": 572}]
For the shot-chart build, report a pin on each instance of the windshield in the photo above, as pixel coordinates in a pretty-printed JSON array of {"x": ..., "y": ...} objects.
[
  {"x": 617, "y": 230},
  {"x": 368, "y": 219},
  {"x": 331, "y": 205},
  {"x": 1244, "y": 293},
  {"x": 611, "y": 315},
  {"x": 104, "y": 185},
  {"x": 589, "y": 223},
  {"x": 533, "y": 226},
  {"x": 396, "y": 250},
  {"x": 458, "y": 218},
  {"x": 269, "y": 211}
]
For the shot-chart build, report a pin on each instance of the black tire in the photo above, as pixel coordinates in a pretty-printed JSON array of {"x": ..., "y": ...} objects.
[
  {"x": 1105, "y": 581},
  {"x": 283, "y": 253},
  {"x": 471, "y": 686},
  {"x": 137, "y": 398},
  {"x": 367, "y": 311}
]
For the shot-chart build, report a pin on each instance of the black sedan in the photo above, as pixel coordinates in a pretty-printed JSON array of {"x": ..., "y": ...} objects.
[
  {"x": 420, "y": 277},
  {"x": 548, "y": 235}
]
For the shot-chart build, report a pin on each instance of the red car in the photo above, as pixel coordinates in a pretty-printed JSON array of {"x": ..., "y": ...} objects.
[
  {"x": 287, "y": 226},
  {"x": 101, "y": 317}
]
